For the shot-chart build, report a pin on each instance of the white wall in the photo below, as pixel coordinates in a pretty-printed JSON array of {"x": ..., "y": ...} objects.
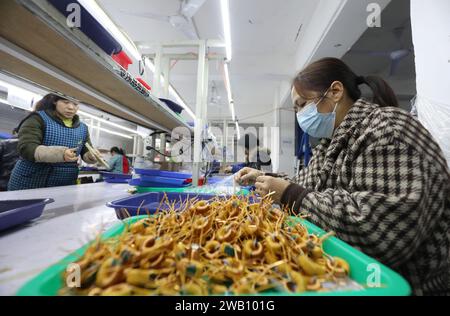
[
  {"x": 431, "y": 38},
  {"x": 287, "y": 143}
]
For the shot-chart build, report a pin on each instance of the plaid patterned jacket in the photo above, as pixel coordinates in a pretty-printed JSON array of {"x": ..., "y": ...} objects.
[{"x": 383, "y": 185}]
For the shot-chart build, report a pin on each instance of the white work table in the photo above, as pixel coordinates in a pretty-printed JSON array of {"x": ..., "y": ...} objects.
[{"x": 75, "y": 218}]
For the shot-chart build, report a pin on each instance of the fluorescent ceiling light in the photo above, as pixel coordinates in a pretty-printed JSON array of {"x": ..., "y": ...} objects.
[
  {"x": 111, "y": 123},
  {"x": 233, "y": 114},
  {"x": 15, "y": 90},
  {"x": 225, "y": 8},
  {"x": 112, "y": 132},
  {"x": 97, "y": 12},
  {"x": 25, "y": 92},
  {"x": 238, "y": 131},
  {"x": 229, "y": 94},
  {"x": 227, "y": 82}
]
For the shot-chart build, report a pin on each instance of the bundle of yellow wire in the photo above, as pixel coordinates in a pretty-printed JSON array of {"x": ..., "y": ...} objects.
[{"x": 224, "y": 246}]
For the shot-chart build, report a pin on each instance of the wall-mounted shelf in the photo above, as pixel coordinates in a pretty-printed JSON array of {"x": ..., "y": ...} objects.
[{"x": 37, "y": 45}]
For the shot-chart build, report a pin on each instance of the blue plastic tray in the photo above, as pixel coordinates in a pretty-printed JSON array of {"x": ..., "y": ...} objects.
[
  {"x": 214, "y": 180},
  {"x": 16, "y": 212},
  {"x": 151, "y": 202},
  {"x": 159, "y": 182},
  {"x": 115, "y": 175},
  {"x": 164, "y": 174},
  {"x": 114, "y": 180},
  {"x": 89, "y": 169},
  {"x": 173, "y": 106}
]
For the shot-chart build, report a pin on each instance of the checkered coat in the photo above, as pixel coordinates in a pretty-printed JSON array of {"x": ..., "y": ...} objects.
[{"x": 383, "y": 185}]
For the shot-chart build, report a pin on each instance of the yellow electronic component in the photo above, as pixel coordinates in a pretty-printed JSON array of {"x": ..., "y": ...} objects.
[{"x": 223, "y": 246}]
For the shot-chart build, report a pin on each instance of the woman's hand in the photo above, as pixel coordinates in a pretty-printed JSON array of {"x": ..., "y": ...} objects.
[
  {"x": 228, "y": 170},
  {"x": 70, "y": 155},
  {"x": 91, "y": 157},
  {"x": 265, "y": 185},
  {"x": 247, "y": 176}
]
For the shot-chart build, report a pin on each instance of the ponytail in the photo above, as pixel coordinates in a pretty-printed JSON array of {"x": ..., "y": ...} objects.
[
  {"x": 383, "y": 95},
  {"x": 319, "y": 76},
  {"x": 118, "y": 150}
]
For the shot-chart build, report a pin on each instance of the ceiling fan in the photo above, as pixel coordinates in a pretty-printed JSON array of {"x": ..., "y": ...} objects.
[
  {"x": 395, "y": 56},
  {"x": 182, "y": 21}
]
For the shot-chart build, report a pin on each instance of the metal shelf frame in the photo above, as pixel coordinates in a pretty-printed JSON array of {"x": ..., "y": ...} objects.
[{"x": 162, "y": 63}]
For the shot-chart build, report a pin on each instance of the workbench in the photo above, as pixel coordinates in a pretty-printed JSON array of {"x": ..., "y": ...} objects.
[{"x": 75, "y": 218}]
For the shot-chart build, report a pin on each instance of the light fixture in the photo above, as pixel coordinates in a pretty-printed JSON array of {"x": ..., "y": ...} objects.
[
  {"x": 99, "y": 14},
  {"x": 112, "y": 132},
  {"x": 233, "y": 114},
  {"x": 228, "y": 88},
  {"x": 82, "y": 113},
  {"x": 14, "y": 90},
  {"x": 35, "y": 96},
  {"x": 225, "y": 9},
  {"x": 238, "y": 131}
]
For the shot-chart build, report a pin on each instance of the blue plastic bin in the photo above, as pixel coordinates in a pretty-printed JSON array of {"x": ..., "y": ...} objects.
[
  {"x": 164, "y": 174},
  {"x": 159, "y": 182},
  {"x": 115, "y": 175},
  {"x": 16, "y": 212},
  {"x": 118, "y": 180},
  {"x": 88, "y": 169},
  {"x": 173, "y": 106},
  {"x": 151, "y": 202}
]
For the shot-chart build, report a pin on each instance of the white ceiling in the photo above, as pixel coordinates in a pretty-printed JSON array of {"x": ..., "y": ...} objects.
[
  {"x": 394, "y": 34},
  {"x": 264, "y": 46}
]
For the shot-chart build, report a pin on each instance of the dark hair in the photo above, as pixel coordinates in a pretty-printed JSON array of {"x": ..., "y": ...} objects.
[
  {"x": 250, "y": 141},
  {"x": 319, "y": 76},
  {"x": 48, "y": 102},
  {"x": 117, "y": 150}
]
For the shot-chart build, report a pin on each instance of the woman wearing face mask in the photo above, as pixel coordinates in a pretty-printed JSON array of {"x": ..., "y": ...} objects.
[
  {"x": 50, "y": 141},
  {"x": 378, "y": 179}
]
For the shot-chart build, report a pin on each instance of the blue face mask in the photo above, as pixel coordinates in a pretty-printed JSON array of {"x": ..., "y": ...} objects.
[{"x": 316, "y": 124}]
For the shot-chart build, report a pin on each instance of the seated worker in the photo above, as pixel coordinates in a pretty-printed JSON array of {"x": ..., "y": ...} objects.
[
  {"x": 378, "y": 179},
  {"x": 8, "y": 159},
  {"x": 50, "y": 141},
  {"x": 118, "y": 162},
  {"x": 256, "y": 157}
]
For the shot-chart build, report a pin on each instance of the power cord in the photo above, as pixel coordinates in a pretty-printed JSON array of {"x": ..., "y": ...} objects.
[{"x": 165, "y": 155}]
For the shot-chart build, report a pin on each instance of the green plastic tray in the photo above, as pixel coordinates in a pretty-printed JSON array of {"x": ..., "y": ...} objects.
[
  {"x": 49, "y": 282},
  {"x": 198, "y": 190}
]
